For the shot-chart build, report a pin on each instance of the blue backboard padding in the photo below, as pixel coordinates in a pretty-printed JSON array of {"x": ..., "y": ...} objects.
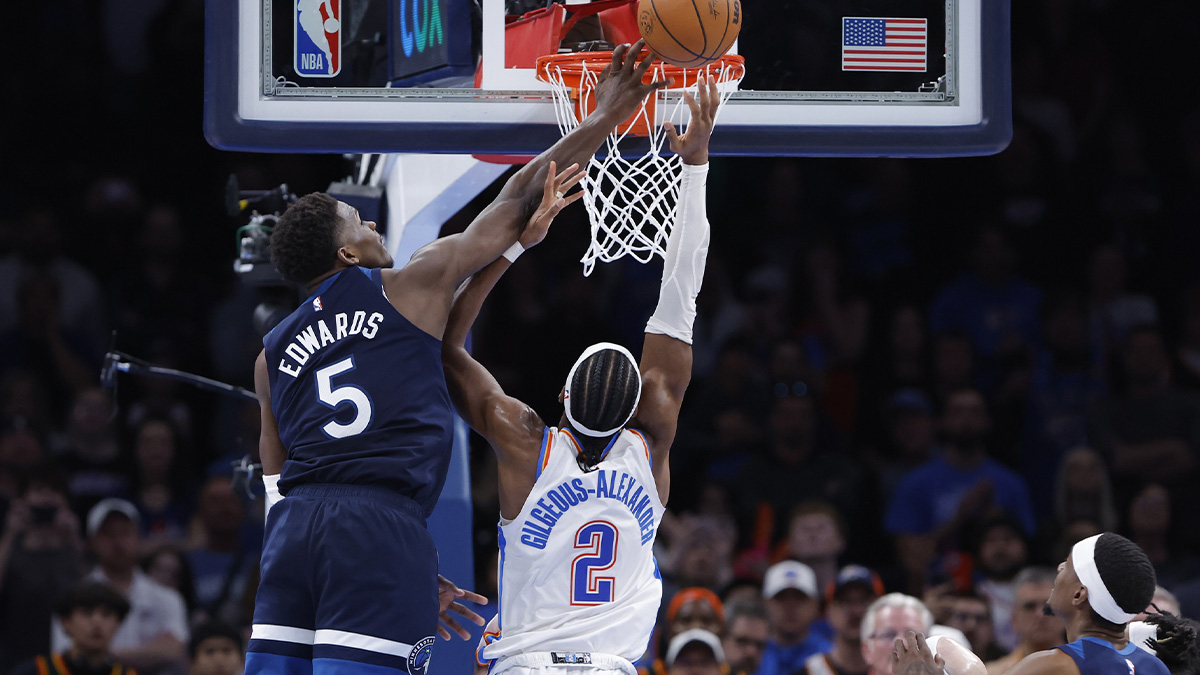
[{"x": 224, "y": 129}]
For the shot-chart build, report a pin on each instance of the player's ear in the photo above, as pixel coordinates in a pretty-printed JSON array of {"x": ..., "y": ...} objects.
[
  {"x": 1080, "y": 598},
  {"x": 347, "y": 256}
]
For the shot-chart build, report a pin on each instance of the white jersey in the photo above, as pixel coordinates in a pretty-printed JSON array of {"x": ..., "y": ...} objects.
[{"x": 577, "y": 568}]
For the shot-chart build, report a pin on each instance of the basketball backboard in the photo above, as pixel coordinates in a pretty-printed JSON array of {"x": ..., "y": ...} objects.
[{"x": 456, "y": 76}]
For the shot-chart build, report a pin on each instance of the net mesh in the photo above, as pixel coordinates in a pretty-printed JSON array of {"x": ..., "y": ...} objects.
[{"x": 630, "y": 198}]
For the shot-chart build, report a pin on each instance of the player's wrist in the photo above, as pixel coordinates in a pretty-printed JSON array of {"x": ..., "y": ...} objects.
[{"x": 514, "y": 252}]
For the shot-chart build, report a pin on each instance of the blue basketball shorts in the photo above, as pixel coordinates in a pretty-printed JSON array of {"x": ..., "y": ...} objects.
[{"x": 349, "y": 585}]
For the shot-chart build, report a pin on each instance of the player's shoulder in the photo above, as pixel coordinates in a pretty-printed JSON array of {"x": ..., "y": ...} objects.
[{"x": 1048, "y": 662}]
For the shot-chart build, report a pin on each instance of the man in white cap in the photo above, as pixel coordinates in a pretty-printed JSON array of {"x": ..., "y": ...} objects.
[
  {"x": 790, "y": 590},
  {"x": 153, "y": 636},
  {"x": 1101, "y": 586},
  {"x": 695, "y": 652}
]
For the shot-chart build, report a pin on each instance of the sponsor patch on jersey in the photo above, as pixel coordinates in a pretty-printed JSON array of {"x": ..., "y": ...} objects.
[
  {"x": 418, "y": 659},
  {"x": 317, "y": 304},
  {"x": 576, "y": 658}
]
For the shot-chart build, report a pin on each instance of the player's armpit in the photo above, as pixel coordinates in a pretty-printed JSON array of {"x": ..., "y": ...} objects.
[{"x": 271, "y": 452}]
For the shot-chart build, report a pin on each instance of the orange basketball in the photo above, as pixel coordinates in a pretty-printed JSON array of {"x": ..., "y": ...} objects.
[{"x": 689, "y": 33}]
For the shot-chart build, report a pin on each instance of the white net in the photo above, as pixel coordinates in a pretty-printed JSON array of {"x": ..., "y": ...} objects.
[{"x": 631, "y": 200}]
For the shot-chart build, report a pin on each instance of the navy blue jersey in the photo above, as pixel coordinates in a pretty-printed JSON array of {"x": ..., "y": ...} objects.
[
  {"x": 1099, "y": 657},
  {"x": 359, "y": 394}
]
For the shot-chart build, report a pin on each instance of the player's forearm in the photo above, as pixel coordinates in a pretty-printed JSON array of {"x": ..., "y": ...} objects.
[
  {"x": 469, "y": 301},
  {"x": 687, "y": 252}
]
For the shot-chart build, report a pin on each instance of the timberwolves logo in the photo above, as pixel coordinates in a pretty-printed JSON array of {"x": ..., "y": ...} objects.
[{"x": 418, "y": 659}]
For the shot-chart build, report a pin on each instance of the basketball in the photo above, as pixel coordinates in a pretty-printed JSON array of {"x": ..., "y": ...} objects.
[{"x": 689, "y": 33}]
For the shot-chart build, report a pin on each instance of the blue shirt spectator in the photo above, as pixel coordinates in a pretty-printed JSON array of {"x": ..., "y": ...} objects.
[{"x": 930, "y": 496}]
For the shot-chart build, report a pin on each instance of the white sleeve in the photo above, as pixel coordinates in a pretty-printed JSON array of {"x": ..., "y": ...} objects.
[
  {"x": 687, "y": 251},
  {"x": 271, "y": 483}
]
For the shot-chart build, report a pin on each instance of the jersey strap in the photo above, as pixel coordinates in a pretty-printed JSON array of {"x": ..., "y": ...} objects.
[{"x": 544, "y": 456}]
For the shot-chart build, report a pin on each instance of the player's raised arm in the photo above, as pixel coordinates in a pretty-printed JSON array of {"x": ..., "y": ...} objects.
[
  {"x": 667, "y": 351},
  {"x": 508, "y": 424},
  {"x": 271, "y": 452},
  {"x": 448, "y": 261}
]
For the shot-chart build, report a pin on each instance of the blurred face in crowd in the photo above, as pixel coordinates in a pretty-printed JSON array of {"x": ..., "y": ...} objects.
[
  {"x": 1145, "y": 359},
  {"x": 699, "y": 563},
  {"x": 1033, "y": 626},
  {"x": 21, "y": 447},
  {"x": 890, "y": 623},
  {"x": 166, "y": 568},
  {"x": 218, "y": 655},
  {"x": 1084, "y": 471},
  {"x": 793, "y": 422},
  {"x": 913, "y": 433},
  {"x": 953, "y": 361},
  {"x": 91, "y": 413},
  {"x": 973, "y": 617},
  {"x": 745, "y": 642},
  {"x": 1002, "y": 552},
  {"x": 48, "y": 500},
  {"x": 965, "y": 422},
  {"x": 695, "y": 614},
  {"x": 116, "y": 543},
  {"x": 695, "y": 659},
  {"x": 847, "y": 610},
  {"x": 1150, "y": 511},
  {"x": 792, "y": 613},
  {"x": 155, "y": 449},
  {"x": 91, "y": 629},
  {"x": 220, "y": 507},
  {"x": 815, "y": 535},
  {"x": 908, "y": 333}
]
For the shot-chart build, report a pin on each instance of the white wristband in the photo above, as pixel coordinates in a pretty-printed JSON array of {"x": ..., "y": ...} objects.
[
  {"x": 514, "y": 252},
  {"x": 271, "y": 483}
]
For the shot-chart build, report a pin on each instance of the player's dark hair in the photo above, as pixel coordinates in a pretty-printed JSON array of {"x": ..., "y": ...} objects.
[
  {"x": 213, "y": 629},
  {"x": 304, "y": 241},
  {"x": 1127, "y": 573},
  {"x": 90, "y": 595},
  {"x": 603, "y": 392},
  {"x": 1177, "y": 643}
]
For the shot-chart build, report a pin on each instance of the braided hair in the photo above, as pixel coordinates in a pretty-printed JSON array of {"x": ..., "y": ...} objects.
[
  {"x": 604, "y": 390},
  {"x": 304, "y": 241},
  {"x": 1127, "y": 573},
  {"x": 1177, "y": 644}
]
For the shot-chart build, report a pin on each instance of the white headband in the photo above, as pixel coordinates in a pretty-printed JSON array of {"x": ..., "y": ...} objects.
[
  {"x": 1083, "y": 556},
  {"x": 599, "y": 347}
]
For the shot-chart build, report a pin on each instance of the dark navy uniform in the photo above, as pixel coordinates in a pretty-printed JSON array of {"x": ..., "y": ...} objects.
[
  {"x": 349, "y": 570},
  {"x": 1099, "y": 657}
]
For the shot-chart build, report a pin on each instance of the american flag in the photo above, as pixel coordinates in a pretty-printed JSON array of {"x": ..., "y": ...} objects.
[{"x": 884, "y": 44}]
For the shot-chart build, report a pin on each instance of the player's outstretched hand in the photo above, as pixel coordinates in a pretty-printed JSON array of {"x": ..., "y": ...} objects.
[
  {"x": 912, "y": 656},
  {"x": 692, "y": 146},
  {"x": 448, "y": 597},
  {"x": 554, "y": 199},
  {"x": 620, "y": 89}
]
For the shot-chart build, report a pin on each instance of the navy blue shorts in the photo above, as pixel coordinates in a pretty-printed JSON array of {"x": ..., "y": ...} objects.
[{"x": 349, "y": 585}]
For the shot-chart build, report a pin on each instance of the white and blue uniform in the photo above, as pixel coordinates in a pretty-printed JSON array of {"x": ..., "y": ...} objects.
[
  {"x": 578, "y": 580},
  {"x": 349, "y": 570}
]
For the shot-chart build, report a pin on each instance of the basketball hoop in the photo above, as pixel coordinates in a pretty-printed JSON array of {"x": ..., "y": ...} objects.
[{"x": 631, "y": 201}]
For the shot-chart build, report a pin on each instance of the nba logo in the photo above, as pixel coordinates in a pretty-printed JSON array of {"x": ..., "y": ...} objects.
[{"x": 318, "y": 43}]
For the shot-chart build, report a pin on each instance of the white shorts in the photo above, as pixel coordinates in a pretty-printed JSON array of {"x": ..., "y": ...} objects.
[{"x": 542, "y": 663}]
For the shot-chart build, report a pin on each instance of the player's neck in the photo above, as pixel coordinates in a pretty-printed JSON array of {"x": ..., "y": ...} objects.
[
  {"x": 1083, "y": 627},
  {"x": 313, "y": 285}
]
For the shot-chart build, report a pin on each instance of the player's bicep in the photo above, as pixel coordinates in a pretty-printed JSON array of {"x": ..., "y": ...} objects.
[{"x": 271, "y": 452}]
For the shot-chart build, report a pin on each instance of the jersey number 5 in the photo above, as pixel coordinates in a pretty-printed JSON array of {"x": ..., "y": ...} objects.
[
  {"x": 598, "y": 540},
  {"x": 334, "y": 396}
]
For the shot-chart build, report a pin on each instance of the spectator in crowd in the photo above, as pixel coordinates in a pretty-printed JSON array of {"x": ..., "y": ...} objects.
[
  {"x": 747, "y": 630},
  {"x": 847, "y": 598},
  {"x": 153, "y": 637},
  {"x": 1084, "y": 491},
  {"x": 990, "y": 303},
  {"x": 1149, "y": 522},
  {"x": 886, "y": 620},
  {"x": 953, "y": 365},
  {"x": 695, "y": 652},
  {"x": 92, "y": 454},
  {"x": 970, "y": 614},
  {"x": 161, "y": 496},
  {"x": 1151, "y": 431},
  {"x": 793, "y": 603},
  {"x": 912, "y": 437},
  {"x": 689, "y": 609},
  {"x": 817, "y": 538},
  {"x": 216, "y": 649},
  {"x": 1113, "y": 310},
  {"x": 800, "y": 464},
  {"x": 222, "y": 561},
  {"x": 41, "y": 554},
  {"x": 1036, "y": 631},
  {"x": 1001, "y": 552},
  {"x": 701, "y": 552},
  {"x": 902, "y": 363},
  {"x": 90, "y": 614},
  {"x": 22, "y": 447},
  {"x": 934, "y": 502},
  {"x": 1066, "y": 382},
  {"x": 168, "y": 565}
]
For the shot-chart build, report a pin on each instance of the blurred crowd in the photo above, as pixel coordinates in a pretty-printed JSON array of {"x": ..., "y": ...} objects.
[{"x": 926, "y": 377}]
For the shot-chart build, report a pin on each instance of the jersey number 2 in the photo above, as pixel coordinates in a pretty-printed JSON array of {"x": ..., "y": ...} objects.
[
  {"x": 598, "y": 539},
  {"x": 335, "y": 396}
]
